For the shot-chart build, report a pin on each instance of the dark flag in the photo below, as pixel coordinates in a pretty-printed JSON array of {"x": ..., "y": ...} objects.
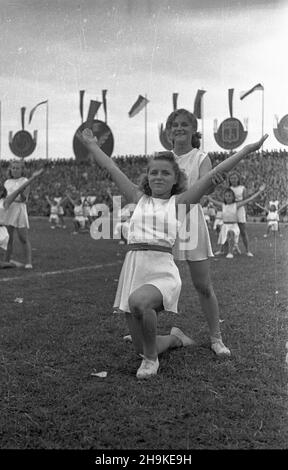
[
  {"x": 93, "y": 108},
  {"x": 34, "y": 109},
  {"x": 23, "y": 117},
  {"x": 197, "y": 103},
  {"x": 104, "y": 92},
  {"x": 139, "y": 104},
  {"x": 243, "y": 94},
  {"x": 175, "y": 98},
  {"x": 81, "y": 103},
  {"x": 230, "y": 99}
]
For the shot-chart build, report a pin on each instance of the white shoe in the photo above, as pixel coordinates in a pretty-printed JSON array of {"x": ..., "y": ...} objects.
[
  {"x": 230, "y": 255},
  {"x": 237, "y": 249},
  {"x": 28, "y": 266},
  {"x": 218, "y": 253},
  {"x": 128, "y": 338},
  {"x": 219, "y": 348},
  {"x": 249, "y": 254},
  {"x": 147, "y": 369},
  {"x": 185, "y": 340}
]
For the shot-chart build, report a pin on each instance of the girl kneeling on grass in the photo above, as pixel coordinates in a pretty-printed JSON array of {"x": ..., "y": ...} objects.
[
  {"x": 230, "y": 230},
  {"x": 149, "y": 281},
  {"x": 5, "y": 202}
]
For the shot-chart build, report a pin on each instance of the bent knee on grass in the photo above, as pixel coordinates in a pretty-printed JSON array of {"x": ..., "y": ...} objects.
[{"x": 145, "y": 299}]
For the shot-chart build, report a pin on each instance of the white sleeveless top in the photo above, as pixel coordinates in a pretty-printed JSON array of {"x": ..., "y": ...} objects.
[
  {"x": 273, "y": 216},
  {"x": 229, "y": 212},
  {"x": 200, "y": 245},
  {"x": 154, "y": 221},
  {"x": 14, "y": 183}
]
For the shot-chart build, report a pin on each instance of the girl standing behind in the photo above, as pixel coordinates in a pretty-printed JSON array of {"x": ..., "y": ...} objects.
[
  {"x": 230, "y": 230},
  {"x": 16, "y": 217},
  {"x": 240, "y": 193}
]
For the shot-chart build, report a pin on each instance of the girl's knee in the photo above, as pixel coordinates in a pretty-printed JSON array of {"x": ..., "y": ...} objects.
[
  {"x": 204, "y": 288},
  {"x": 136, "y": 305}
]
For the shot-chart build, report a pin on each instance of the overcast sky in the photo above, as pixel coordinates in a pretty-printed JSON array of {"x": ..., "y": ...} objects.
[{"x": 52, "y": 49}]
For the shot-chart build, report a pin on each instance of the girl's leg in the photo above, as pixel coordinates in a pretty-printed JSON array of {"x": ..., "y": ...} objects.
[
  {"x": 163, "y": 342},
  {"x": 144, "y": 303},
  {"x": 244, "y": 236},
  {"x": 200, "y": 275},
  {"x": 24, "y": 239},
  {"x": 9, "y": 250},
  {"x": 76, "y": 226},
  {"x": 231, "y": 243}
]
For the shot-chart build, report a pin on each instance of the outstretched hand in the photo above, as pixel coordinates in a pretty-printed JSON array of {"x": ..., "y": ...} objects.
[
  {"x": 262, "y": 187},
  {"x": 218, "y": 178},
  {"x": 37, "y": 173},
  {"x": 86, "y": 136},
  {"x": 257, "y": 145}
]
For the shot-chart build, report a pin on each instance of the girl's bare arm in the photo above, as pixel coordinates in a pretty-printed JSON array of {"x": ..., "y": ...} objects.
[
  {"x": 194, "y": 194},
  {"x": 129, "y": 190}
]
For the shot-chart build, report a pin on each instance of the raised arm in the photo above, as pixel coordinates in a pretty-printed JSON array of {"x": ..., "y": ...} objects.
[
  {"x": 194, "y": 194},
  {"x": 261, "y": 207},
  {"x": 216, "y": 203},
  {"x": 48, "y": 200},
  {"x": 129, "y": 190},
  {"x": 9, "y": 199},
  {"x": 71, "y": 200},
  {"x": 282, "y": 207},
  {"x": 251, "y": 198}
]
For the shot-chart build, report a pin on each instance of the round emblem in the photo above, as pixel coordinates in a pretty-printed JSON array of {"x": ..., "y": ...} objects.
[
  {"x": 104, "y": 137},
  {"x": 281, "y": 133},
  {"x": 230, "y": 134},
  {"x": 22, "y": 144}
]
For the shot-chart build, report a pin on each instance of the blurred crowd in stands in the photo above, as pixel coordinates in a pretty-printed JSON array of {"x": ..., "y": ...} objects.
[{"x": 87, "y": 179}]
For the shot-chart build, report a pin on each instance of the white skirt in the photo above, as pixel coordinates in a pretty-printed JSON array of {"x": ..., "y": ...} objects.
[
  {"x": 149, "y": 267},
  {"x": 4, "y": 237},
  {"x": 241, "y": 215},
  {"x": 223, "y": 235},
  {"x": 217, "y": 223},
  {"x": 199, "y": 245},
  {"x": 274, "y": 225},
  {"x": 16, "y": 215}
]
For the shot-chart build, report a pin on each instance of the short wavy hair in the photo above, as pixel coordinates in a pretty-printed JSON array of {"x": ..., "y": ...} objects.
[
  {"x": 21, "y": 161},
  {"x": 229, "y": 191},
  {"x": 181, "y": 179},
  {"x": 234, "y": 172},
  {"x": 196, "y": 136}
]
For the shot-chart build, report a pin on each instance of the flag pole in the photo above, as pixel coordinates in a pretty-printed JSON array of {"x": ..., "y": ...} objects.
[
  {"x": 47, "y": 130},
  {"x": 202, "y": 121},
  {"x": 0, "y": 126},
  {"x": 262, "y": 114},
  {"x": 145, "y": 126}
]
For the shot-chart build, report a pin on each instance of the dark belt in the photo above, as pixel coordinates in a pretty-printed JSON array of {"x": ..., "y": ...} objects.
[{"x": 148, "y": 247}]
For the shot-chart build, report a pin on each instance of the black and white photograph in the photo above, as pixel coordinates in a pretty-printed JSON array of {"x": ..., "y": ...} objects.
[{"x": 143, "y": 229}]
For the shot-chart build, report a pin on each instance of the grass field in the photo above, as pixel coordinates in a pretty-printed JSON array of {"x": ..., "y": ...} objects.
[{"x": 64, "y": 329}]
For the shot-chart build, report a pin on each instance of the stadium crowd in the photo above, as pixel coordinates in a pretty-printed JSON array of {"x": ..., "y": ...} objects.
[{"x": 69, "y": 175}]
